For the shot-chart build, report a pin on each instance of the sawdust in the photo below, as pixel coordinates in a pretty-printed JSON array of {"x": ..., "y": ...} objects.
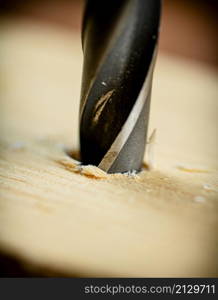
[
  {"x": 189, "y": 170},
  {"x": 99, "y": 107},
  {"x": 90, "y": 171},
  {"x": 150, "y": 160}
]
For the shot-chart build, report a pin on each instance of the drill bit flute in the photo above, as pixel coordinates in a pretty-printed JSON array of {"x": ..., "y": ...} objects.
[{"x": 119, "y": 41}]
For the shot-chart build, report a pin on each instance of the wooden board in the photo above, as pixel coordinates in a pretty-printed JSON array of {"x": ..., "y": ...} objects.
[{"x": 76, "y": 219}]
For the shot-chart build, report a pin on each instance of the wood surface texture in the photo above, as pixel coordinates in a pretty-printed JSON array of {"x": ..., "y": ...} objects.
[{"x": 58, "y": 214}]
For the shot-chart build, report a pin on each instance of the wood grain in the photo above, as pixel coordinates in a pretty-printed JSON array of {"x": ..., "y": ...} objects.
[{"x": 60, "y": 215}]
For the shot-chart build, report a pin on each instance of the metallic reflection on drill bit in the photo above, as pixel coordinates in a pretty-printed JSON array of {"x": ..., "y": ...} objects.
[{"x": 113, "y": 153}]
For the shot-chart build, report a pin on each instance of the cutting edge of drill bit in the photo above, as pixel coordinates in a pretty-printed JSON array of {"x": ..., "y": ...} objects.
[{"x": 121, "y": 139}]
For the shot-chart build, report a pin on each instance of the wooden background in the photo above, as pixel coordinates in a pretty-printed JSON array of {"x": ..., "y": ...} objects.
[{"x": 58, "y": 218}]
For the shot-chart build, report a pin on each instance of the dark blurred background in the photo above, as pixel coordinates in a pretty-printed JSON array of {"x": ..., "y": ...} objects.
[{"x": 188, "y": 26}]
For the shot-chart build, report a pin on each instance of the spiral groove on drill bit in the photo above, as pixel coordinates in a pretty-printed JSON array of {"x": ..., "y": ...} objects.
[{"x": 119, "y": 43}]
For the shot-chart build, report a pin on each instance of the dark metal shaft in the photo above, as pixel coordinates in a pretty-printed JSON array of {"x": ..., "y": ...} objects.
[{"x": 119, "y": 41}]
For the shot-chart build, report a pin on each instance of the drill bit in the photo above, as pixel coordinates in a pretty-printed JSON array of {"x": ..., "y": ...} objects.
[{"x": 119, "y": 40}]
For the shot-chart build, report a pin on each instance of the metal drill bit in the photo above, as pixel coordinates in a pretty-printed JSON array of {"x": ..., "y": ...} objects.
[{"x": 119, "y": 39}]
